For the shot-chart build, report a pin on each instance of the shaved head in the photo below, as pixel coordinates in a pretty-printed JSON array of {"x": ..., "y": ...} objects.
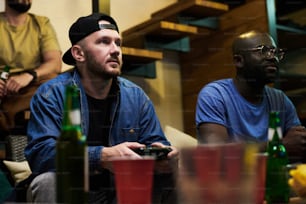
[{"x": 250, "y": 39}]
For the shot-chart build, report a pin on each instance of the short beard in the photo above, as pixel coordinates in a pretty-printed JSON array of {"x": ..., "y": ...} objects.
[
  {"x": 96, "y": 68},
  {"x": 19, "y": 7}
]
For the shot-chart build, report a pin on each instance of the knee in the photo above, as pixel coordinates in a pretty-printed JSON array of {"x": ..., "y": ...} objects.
[
  {"x": 42, "y": 188},
  {"x": 44, "y": 180}
]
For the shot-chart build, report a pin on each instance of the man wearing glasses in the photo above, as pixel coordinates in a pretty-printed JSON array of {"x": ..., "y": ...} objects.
[{"x": 237, "y": 109}]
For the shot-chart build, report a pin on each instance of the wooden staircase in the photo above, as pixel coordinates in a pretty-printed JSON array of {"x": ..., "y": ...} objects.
[{"x": 170, "y": 28}]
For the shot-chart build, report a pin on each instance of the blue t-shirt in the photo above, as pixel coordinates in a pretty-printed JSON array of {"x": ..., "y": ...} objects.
[{"x": 220, "y": 102}]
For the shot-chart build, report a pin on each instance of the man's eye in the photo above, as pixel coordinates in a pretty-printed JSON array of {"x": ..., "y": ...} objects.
[
  {"x": 105, "y": 41},
  {"x": 118, "y": 43},
  {"x": 265, "y": 49}
]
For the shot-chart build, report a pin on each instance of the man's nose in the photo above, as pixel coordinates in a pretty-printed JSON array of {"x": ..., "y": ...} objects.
[{"x": 115, "y": 48}]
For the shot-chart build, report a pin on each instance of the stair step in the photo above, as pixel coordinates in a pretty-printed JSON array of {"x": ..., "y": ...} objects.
[
  {"x": 163, "y": 30},
  {"x": 139, "y": 56},
  {"x": 191, "y": 8}
]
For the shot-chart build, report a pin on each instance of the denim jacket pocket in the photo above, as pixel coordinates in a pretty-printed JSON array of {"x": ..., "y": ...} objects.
[{"x": 130, "y": 134}]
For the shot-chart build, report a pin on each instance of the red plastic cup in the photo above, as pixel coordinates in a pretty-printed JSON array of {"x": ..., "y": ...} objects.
[
  {"x": 134, "y": 179},
  {"x": 208, "y": 169},
  {"x": 219, "y": 173}
]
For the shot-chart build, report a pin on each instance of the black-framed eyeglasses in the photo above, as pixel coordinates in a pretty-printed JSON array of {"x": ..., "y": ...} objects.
[{"x": 268, "y": 52}]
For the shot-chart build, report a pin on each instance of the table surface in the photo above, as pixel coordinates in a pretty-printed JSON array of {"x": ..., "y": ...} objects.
[{"x": 295, "y": 200}]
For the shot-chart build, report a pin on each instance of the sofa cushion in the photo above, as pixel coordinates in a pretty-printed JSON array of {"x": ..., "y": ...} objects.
[{"x": 19, "y": 170}]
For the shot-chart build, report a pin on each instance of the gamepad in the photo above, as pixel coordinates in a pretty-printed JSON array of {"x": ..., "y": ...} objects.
[{"x": 159, "y": 152}]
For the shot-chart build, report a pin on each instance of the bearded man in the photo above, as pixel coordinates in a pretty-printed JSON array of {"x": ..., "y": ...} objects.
[{"x": 30, "y": 48}]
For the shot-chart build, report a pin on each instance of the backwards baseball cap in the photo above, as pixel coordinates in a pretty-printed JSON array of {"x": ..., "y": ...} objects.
[{"x": 83, "y": 27}]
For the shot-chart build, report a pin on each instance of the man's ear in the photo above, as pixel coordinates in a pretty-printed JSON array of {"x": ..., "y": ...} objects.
[
  {"x": 77, "y": 53},
  {"x": 238, "y": 60}
]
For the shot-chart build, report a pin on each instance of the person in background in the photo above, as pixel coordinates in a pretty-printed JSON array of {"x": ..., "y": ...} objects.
[
  {"x": 30, "y": 48},
  {"x": 117, "y": 115},
  {"x": 237, "y": 109}
]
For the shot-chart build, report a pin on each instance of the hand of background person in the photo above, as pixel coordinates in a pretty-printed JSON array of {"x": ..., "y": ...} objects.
[
  {"x": 295, "y": 143},
  {"x": 17, "y": 82},
  {"x": 166, "y": 165}
]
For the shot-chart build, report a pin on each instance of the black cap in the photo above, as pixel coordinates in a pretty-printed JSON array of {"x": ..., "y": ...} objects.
[{"x": 83, "y": 27}]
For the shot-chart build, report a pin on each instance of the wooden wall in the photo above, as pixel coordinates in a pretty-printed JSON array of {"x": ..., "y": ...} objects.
[{"x": 210, "y": 56}]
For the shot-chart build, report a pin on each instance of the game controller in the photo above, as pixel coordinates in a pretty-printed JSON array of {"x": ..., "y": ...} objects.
[{"x": 158, "y": 152}]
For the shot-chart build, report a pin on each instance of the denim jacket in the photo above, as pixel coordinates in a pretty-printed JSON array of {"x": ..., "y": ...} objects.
[{"x": 133, "y": 120}]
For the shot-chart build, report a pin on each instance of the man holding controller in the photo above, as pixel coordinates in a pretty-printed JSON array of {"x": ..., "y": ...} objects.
[{"x": 117, "y": 116}]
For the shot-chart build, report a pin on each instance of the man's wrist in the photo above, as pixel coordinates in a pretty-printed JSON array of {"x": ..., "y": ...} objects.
[{"x": 33, "y": 73}]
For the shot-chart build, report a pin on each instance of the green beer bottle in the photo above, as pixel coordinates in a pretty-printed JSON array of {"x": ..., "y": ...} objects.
[
  {"x": 71, "y": 154},
  {"x": 277, "y": 188}
]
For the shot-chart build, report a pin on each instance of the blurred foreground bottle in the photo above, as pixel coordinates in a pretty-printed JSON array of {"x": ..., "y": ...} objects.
[
  {"x": 71, "y": 154},
  {"x": 277, "y": 188},
  {"x": 5, "y": 75}
]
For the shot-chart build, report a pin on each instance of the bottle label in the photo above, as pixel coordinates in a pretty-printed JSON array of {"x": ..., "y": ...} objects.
[
  {"x": 75, "y": 117},
  {"x": 271, "y": 133},
  {"x": 280, "y": 133},
  {"x": 4, "y": 75}
]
